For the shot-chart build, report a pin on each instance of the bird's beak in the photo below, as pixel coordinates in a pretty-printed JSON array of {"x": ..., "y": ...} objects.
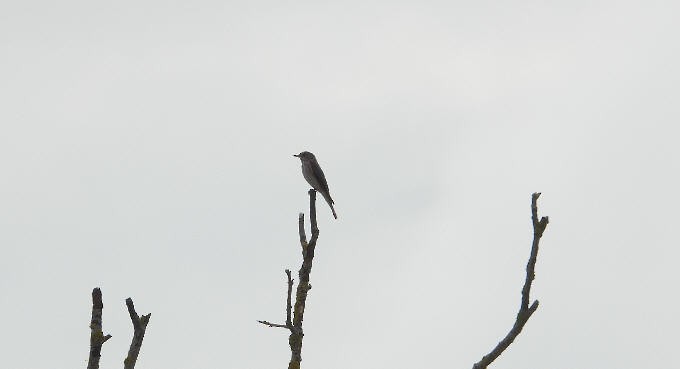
[{"x": 296, "y": 155}]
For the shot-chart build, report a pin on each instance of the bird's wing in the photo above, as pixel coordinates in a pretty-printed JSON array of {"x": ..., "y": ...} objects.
[{"x": 318, "y": 173}]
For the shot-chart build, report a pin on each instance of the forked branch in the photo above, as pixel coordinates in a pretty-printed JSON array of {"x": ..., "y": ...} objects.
[
  {"x": 97, "y": 337},
  {"x": 294, "y": 323},
  {"x": 139, "y": 324}
]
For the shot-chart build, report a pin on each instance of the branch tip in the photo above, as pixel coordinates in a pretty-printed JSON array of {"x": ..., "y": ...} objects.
[
  {"x": 97, "y": 298},
  {"x": 274, "y": 325},
  {"x": 525, "y": 311},
  {"x": 139, "y": 325},
  {"x": 97, "y": 337}
]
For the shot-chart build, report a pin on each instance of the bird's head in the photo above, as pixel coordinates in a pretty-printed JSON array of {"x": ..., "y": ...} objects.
[{"x": 305, "y": 155}]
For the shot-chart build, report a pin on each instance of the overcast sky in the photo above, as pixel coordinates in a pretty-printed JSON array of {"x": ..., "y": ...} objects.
[{"x": 145, "y": 148}]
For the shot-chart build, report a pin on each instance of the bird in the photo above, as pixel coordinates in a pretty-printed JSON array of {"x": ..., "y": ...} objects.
[{"x": 315, "y": 177}]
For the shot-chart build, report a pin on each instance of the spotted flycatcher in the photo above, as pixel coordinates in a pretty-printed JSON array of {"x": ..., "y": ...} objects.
[{"x": 314, "y": 176}]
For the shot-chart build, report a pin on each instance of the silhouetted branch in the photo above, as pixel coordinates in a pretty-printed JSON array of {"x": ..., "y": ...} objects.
[
  {"x": 288, "y": 300},
  {"x": 288, "y": 324},
  {"x": 139, "y": 324},
  {"x": 295, "y": 339},
  {"x": 273, "y": 325},
  {"x": 295, "y": 325},
  {"x": 97, "y": 337},
  {"x": 525, "y": 311}
]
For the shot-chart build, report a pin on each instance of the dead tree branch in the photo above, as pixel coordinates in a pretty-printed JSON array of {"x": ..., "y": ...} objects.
[
  {"x": 97, "y": 337},
  {"x": 525, "y": 311},
  {"x": 289, "y": 324},
  {"x": 298, "y": 310},
  {"x": 139, "y": 324}
]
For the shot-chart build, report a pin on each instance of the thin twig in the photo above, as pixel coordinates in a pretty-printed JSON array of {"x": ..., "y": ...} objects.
[
  {"x": 289, "y": 307},
  {"x": 273, "y": 325},
  {"x": 288, "y": 324},
  {"x": 301, "y": 231},
  {"x": 525, "y": 311},
  {"x": 139, "y": 324},
  {"x": 97, "y": 337}
]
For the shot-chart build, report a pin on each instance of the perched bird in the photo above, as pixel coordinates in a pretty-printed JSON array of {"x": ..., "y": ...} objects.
[{"x": 314, "y": 176}]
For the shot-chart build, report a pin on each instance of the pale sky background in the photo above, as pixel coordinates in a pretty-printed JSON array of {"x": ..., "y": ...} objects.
[{"x": 145, "y": 148}]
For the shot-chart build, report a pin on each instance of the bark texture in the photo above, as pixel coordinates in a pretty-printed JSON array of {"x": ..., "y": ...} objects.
[
  {"x": 139, "y": 324},
  {"x": 97, "y": 337}
]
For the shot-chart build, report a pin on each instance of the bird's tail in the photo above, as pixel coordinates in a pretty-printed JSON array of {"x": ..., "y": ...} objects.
[
  {"x": 330, "y": 202},
  {"x": 333, "y": 210}
]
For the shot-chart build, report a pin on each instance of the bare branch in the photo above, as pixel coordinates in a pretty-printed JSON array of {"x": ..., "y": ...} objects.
[
  {"x": 312, "y": 217},
  {"x": 289, "y": 324},
  {"x": 97, "y": 337},
  {"x": 139, "y": 324},
  {"x": 294, "y": 324},
  {"x": 274, "y": 325},
  {"x": 289, "y": 307},
  {"x": 525, "y": 311},
  {"x": 295, "y": 339},
  {"x": 301, "y": 230}
]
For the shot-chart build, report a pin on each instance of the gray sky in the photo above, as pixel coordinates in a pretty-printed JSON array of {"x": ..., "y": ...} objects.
[{"x": 146, "y": 149}]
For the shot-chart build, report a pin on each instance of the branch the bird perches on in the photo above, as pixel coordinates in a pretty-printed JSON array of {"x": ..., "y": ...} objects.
[
  {"x": 97, "y": 337},
  {"x": 294, "y": 322}
]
